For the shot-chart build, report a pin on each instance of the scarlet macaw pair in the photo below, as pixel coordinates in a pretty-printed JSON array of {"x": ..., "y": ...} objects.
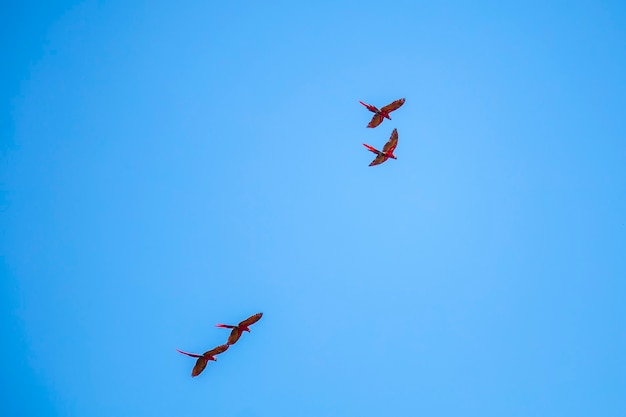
[
  {"x": 379, "y": 116},
  {"x": 235, "y": 334}
]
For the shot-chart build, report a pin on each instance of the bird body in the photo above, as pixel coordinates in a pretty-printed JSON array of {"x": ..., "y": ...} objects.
[
  {"x": 383, "y": 113},
  {"x": 387, "y": 151}
]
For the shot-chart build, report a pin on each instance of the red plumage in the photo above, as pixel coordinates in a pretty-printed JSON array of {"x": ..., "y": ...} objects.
[
  {"x": 387, "y": 151},
  {"x": 383, "y": 112},
  {"x": 243, "y": 326}
]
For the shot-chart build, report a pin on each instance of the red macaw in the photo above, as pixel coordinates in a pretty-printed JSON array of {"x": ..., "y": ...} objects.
[
  {"x": 382, "y": 113},
  {"x": 388, "y": 149},
  {"x": 240, "y": 328},
  {"x": 204, "y": 358}
]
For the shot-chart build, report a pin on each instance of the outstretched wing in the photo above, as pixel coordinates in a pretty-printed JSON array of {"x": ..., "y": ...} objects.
[
  {"x": 393, "y": 106},
  {"x": 234, "y": 336},
  {"x": 193, "y": 355},
  {"x": 376, "y": 120},
  {"x": 390, "y": 146},
  {"x": 379, "y": 160},
  {"x": 216, "y": 350},
  {"x": 199, "y": 367},
  {"x": 251, "y": 320}
]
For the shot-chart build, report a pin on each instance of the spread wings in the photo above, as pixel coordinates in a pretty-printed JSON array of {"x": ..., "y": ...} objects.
[
  {"x": 390, "y": 146},
  {"x": 376, "y": 120},
  {"x": 379, "y": 160},
  {"x": 216, "y": 350},
  {"x": 235, "y": 334},
  {"x": 393, "y": 106},
  {"x": 199, "y": 366},
  {"x": 251, "y": 320}
]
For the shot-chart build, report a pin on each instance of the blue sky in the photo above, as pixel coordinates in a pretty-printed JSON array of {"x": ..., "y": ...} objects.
[{"x": 166, "y": 167}]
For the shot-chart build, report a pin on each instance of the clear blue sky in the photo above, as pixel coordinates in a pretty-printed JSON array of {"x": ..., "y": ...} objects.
[{"x": 169, "y": 166}]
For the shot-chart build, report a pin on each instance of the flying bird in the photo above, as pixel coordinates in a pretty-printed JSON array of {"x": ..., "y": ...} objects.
[
  {"x": 382, "y": 113},
  {"x": 204, "y": 358},
  {"x": 388, "y": 149},
  {"x": 240, "y": 328}
]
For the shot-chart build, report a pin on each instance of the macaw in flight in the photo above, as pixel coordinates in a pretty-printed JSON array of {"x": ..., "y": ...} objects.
[
  {"x": 204, "y": 358},
  {"x": 388, "y": 149},
  {"x": 382, "y": 113},
  {"x": 235, "y": 334}
]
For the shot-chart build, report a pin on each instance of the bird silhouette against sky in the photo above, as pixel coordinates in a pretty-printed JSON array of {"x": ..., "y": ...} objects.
[
  {"x": 240, "y": 328},
  {"x": 387, "y": 151},
  {"x": 382, "y": 113},
  {"x": 204, "y": 358}
]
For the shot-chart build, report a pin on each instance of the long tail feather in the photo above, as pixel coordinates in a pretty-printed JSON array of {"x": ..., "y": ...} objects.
[
  {"x": 193, "y": 355},
  {"x": 369, "y": 107},
  {"x": 371, "y": 148}
]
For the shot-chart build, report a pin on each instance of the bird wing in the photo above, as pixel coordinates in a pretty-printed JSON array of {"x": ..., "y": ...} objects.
[
  {"x": 251, "y": 320},
  {"x": 393, "y": 106},
  {"x": 379, "y": 160},
  {"x": 216, "y": 350},
  {"x": 376, "y": 120},
  {"x": 193, "y": 355},
  {"x": 199, "y": 366},
  {"x": 390, "y": 146},
  {"x": 234, "y": 336}
]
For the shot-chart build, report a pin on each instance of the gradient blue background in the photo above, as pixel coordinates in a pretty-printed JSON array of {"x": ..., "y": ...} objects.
[{"x": 167, "y": 166}]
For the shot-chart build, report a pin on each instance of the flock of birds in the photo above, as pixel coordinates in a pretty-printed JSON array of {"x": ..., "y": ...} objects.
[
  {"x": 379, "y": 116},
  {"x": 235, "y": 334},
  {"x": 244, "y": 326}
]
